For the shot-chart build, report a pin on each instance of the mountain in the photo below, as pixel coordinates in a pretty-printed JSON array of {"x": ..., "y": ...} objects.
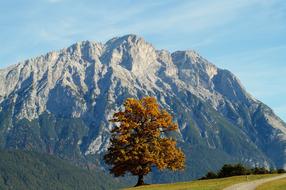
[
  {"x": 60, "y": 104},
  {"x": 42, "y": 171}
]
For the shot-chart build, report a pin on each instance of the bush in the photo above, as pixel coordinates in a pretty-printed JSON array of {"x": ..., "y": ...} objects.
[
  {"x": 280, "y": 171},
  {"x": 257, "y": 170},
  {"x": 232, "y": 170},
  {"x": 210, "y": 175},
  {"x": 273, "y": 171},
  {"x": 229, "y": 170}
]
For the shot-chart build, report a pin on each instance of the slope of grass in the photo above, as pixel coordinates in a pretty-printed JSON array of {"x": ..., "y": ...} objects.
[
  {"x": 212, "y": 184},
  {"x": 279, "y": 184},
  {"x": 23, "y": 170}
]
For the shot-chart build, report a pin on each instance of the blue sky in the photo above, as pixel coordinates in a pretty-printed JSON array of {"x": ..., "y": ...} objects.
[{"x": 248, "y": 37}]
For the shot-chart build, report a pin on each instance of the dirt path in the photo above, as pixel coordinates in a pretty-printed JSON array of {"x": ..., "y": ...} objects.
[{"x": 253, "y": 184}]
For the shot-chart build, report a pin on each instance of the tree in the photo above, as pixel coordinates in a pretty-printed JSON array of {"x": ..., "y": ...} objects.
[
  {"x": 281, "y": 171},
  {"x": 139, "y": 142},
  {"x": 210, "y": 175},
  {"x": 229, "y": 170}
]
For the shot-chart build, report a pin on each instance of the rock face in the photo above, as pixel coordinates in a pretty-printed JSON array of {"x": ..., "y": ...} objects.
[{"x": 61, "y": 102}]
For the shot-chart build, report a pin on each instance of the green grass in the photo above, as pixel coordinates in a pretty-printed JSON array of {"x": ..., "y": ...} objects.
[
  {"x": 212, "y": 184},
  {"x": 279, "y": 184}
]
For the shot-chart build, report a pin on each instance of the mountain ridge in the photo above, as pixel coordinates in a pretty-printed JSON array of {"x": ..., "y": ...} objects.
[{"x": 61, "y": 102}]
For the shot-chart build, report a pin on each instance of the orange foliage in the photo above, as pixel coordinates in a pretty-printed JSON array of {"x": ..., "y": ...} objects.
[{"x": 138, "y": 142}]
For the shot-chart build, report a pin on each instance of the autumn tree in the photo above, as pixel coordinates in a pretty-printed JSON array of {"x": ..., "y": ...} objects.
[{"x": 139, "y": 141}]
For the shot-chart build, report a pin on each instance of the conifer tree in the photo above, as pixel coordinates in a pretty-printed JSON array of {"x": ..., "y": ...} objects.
[{"x": 138, "y": 140}]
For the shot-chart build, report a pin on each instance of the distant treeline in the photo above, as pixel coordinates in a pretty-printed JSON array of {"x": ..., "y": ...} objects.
[
  {"x": 229, "y": 170},
  {"x": 26, "y": 170}
]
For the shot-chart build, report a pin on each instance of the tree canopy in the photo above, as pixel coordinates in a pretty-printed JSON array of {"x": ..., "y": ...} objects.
[{"x": 139, "y": 140}]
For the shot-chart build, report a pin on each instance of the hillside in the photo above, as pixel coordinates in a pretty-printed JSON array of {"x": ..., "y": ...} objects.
[
  {"x": 22, "y": 170},
  {"x": 61, "y": 102}
]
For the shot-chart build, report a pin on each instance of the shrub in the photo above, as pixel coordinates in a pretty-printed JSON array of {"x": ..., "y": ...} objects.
[
  {"x": 280, "y": 171},
  {"x": 261, "y": 170},
  {"x": 232, "y": 170},
  {"x": 210, "y": 175},
  {"x": 229, "y": 170}
]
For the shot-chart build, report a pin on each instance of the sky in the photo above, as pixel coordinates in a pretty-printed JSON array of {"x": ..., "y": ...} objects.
[{"x": 247, "y": 37}]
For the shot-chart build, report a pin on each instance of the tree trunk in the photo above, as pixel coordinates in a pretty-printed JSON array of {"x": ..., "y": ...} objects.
[{"x": 140, "y": 180}]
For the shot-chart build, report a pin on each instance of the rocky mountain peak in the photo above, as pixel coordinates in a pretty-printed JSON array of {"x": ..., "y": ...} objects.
[
  {"x": 127, "y": 40},
  {"x": 189, "y": 56},
  {"x": 130, "y": 52},
  {"x": 87, "y": 50},
  {"x": 61, "y": 103}
]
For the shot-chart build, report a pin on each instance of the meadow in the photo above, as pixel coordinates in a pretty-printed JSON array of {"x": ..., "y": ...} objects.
[
  {"x": 274, "y": 185},
  {"x": 211, "y": 184}
]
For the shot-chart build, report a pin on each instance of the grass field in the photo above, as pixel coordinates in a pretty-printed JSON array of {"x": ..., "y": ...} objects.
[
  {"x": 279, "y": 184},
  {"x": 212, "y": 184}
]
